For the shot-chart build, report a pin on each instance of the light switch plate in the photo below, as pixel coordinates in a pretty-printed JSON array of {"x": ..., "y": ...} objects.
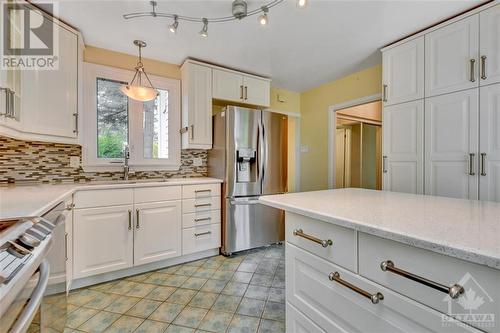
[
  {"x": 197, "y": 161},
  {"x": 74, "y": 161},
  {"x": 304, "y": 149}
]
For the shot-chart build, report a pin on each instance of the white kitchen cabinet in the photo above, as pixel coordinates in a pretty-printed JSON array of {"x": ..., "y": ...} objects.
[
  {"x": 68, "y": 243},
  {"x": 403, "y": 72},
  {"x": 451, "y": 145},
  {"x": 403, "y": 147},
  {"x": 490, "y": 45},
  {"x": 451, "y": 57},
  {"x": 103, "y": 240},
  {"x": 256, "y": 91},
  {"x": 242, "y": 88},
  {"x": 489, "y": 143},
  {"x": 196, "y": 106},
  {"x": 157, "y": 234},
  {"x": 201, "y": 238}
]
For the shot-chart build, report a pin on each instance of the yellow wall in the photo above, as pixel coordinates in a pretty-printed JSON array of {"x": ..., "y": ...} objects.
[
  {"x": 126, "y": 61},
  {"x": 314, "y": 106}
]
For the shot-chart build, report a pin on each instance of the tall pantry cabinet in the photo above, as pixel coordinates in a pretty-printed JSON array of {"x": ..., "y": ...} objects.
[{"x": 441, "y": 116}]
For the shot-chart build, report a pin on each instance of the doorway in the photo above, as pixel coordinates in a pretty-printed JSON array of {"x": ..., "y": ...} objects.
[{"x": 356, "y": 149}]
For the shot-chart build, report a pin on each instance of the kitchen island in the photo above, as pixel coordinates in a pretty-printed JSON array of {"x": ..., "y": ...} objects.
[{"x": 363, "y": 260}]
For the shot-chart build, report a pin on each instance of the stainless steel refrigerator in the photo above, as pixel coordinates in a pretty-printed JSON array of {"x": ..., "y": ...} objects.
[{"x": 250, "y": 153}]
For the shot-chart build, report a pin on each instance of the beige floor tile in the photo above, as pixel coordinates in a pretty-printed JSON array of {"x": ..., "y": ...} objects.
[
  {"x": 151, "y": 326},
  {"x": 161, "y": 293},
  {"x": 190, "y": 317},
  {"x": 203, "y": 300},
  {"x": 143, "y": 308},
  {"x": 99, "y": 322},
  {"x": 216, "y": 321},
  {"x": 122, "y": 304},
  {"x": 125, "y": 324}
]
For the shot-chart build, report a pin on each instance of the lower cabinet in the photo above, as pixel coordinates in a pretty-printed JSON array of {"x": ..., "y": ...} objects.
[
  {"x": 200, "y": 238},
  {"x": 157, "y": 234},
  {"x": 102, "y": 240}
]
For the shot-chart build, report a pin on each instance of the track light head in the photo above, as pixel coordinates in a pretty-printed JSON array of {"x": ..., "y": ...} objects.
[
  {"x": 301, "y": 3},
  {"x": 263, "y": 19},
  {"x": 173, "y": 27},
  {"x": 204, "y": 30}
]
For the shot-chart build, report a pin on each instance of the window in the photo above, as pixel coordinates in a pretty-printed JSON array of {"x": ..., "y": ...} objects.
[{"x": 112, "y": 121}]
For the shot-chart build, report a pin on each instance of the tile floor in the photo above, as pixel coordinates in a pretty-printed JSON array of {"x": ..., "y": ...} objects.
[{"x": 244, "y": 293}]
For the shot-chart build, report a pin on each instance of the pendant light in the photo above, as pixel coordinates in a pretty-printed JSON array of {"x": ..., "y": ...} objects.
[{"x": 135, "y": 89}]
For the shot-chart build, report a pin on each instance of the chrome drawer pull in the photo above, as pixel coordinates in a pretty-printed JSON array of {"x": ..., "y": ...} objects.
[
  {"x": 454, "y": 291},
  {"x": 472, "y": 74},
  {"x": 203, "y": 233},
  {"x": 137, "y": 215},
  {"x": 203, "y": 219},
  {"x": 483, "y": 67},
  {"x": 129, "y": 219},
  {"x": 201, "y": 191},
  {"x": 203, "y": 205},
  {"x": 324, "y": 243},
  {"x": 375, "y": 298}
]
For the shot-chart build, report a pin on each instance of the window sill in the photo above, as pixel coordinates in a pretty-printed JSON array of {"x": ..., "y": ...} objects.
[{"x": 133, "y": 168}]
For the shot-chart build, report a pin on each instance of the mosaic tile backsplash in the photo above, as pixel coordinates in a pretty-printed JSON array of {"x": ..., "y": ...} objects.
[{"x": 30, "y": 161}]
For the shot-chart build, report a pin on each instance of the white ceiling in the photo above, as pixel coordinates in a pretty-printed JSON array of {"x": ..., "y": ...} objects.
[{"x": 299, "y": 49}]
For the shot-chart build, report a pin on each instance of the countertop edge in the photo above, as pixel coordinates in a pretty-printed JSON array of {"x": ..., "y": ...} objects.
[{"x": 471, "y": 255}]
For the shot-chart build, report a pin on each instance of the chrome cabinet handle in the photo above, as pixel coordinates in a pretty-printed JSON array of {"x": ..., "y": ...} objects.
[
  {"x": 66, "y": 246},
  {"x": 137, "y": 214},
  {"x": 246, "y": 93},
  {"x": 129, "y": 219},
  {"x": 241, "y": 92},
  {"x": 192, "y": 132},
  {"x": 483, "y": 67},
  {"x": 203, "y": 219},
  {"x": 472, "y": 74},
  {"x": 483, "y": 158},
  {"x": 471, "y": 164},
  {"x": 384, "y": 165},
  {"x": 203, "y": 205},
  {"x": 322, "y": 242},
  {"x": 76, "y": 123},
  {"x": 70, "y": 206},
  {"x": 384, "y": 93},
  {"x": 375, "y": 298},
  {"x": 454, "y": 291},
  {"x": 203, "y": 233},
  {"x": 201, "y": 191}
]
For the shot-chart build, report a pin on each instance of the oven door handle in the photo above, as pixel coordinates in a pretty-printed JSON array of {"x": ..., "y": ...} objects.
[{"x": 26, "y": 317}]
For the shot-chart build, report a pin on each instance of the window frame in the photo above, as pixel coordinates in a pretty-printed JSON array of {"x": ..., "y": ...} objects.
[{"x": 90, "y": 161}]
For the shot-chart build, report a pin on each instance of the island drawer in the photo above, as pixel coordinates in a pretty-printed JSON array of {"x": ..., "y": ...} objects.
[
  {"x": 342, "y": 250},
  {"x": 200, "y": 238},
  {"x": 335, "y": 307},
  {"x": 153, "y": 194},
  {"x": 102, "y": 198},
  {"x": 201, "y": 218},
  {"x": 297, "y": 322},
  {"x": 201, "y": 190},
  {"x": 200, "y": 204},
  {"x": 481, "y": 284}
]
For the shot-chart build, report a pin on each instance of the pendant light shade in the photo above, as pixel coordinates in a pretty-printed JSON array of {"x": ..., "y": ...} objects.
[{"x": 135, "y": 89}]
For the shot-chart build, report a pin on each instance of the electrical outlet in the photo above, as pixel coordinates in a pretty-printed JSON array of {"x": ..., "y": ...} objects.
[
  {"x": 197, "y": 161},
  {"x": 74, "y": 161}
]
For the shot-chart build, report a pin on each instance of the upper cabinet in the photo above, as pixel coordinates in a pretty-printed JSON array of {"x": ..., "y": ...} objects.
[
  {"x": 489, "y": 46},
  {"x": 403, "y": 72},
  {"x": 451, "y": 57},
  {"x": 241, "y": 88}
]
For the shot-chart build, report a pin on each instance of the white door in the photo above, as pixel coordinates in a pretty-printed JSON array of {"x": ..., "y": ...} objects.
[
  {"x": 227, "y": 85},
  {"x": 199, "y": 104},
  {"x": 451, "y": 57},
  {"x": 489, "y": 143},
  {"x": 256, "y": 91},
  {"x": 49, "y": 101},
  {"x": 451, "y": 145},
  {"x": 403, "y": 147},
  {"x": 490, "y": 45},
  {"x": 403, "y": 72},
  {"x": 157, "y": 231},
  {"x": 102, "y": 240}
]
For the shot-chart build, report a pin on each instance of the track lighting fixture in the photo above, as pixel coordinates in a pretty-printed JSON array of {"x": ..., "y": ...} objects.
[
  {"x": 173, "y": 27},
  {"x": 204, "y": 31}
]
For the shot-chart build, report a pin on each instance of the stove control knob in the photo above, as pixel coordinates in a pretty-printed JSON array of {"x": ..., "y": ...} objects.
[{"x": 29, "y": 240}]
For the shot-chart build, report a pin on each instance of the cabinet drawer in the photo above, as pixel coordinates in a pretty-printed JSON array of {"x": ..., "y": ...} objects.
[
  {"x": 101, "y": 198},
  {"x": 199, "y": 191},
  {"x": 296, "y": 322},
  {"x": 200, "y": 204},
  {"x": 200, "y": 218},
  {"x": 200, "y": 238},
  {"x": 478, "y": 281},
  {"x": 343, "y": 248},
  {"x": 336, "y": 308},
  {"x": 153, "y": 194}
]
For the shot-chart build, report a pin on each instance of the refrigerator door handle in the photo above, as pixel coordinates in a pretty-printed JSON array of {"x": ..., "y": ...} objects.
[{"x": 261, "y": 149}]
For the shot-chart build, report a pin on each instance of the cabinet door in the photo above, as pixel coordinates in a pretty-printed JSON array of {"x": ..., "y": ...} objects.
[
  {"x": 490, "y": 45},
  {"x": 69, "y": 244},
  {"x": 256, "y": 91},
  {"x": 197, "y": 106},
  {"x": 102, "y": 240},
  {"x": 403, "y": 147},
  {"x": 403, "y": 72},
  {"x": 49, "y": 100},
  {"x": 157, "y": 231},
  {"x": 227, "y": 85},
  {"x": 489, "y": 127},
  {"x": 451, "y": 145},
  {"x": 451, "y": 57}
]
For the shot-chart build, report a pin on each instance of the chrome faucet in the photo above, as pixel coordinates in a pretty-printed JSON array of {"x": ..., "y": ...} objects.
[{"x": 126, "y": 168}]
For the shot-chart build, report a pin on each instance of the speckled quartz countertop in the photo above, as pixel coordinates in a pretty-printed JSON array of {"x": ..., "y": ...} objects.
[
  {"x": 465, "y": 229},
  {"x": 34, "y": 200}
]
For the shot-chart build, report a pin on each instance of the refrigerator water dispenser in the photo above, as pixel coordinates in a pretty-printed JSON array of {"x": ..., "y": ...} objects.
[{"x": 246, "y": 170}]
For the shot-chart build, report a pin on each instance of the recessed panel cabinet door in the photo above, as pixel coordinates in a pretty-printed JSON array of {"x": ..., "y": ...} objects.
[
  {"x": 227, "y": 85},
  {"x": 451, "y": 57},
  {"x": 102, "y": 240},
  {"x": 489, "y": 164},
  {"x": 403, "y": 160},
  {"x": 490, "y": 45},
  {"x": 157, "y": 231},
  {"x": 451, "y": 145},
  {"x": 403, "y": 76},
  {"x": 256, "y": 91}
]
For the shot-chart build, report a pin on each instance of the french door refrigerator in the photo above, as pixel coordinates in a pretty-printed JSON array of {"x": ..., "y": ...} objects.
[{"x": 250, "y": 153}]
